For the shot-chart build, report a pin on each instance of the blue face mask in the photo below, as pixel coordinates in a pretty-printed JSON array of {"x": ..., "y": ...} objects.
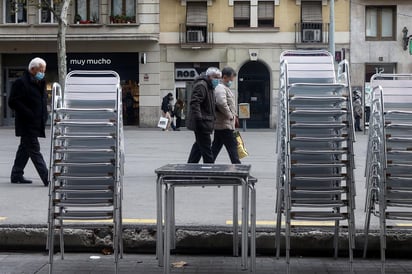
[
  {"x": 228, "y": 84},
  {"x": 215, "y": 82},
  {"x": 39, "y": 76}
]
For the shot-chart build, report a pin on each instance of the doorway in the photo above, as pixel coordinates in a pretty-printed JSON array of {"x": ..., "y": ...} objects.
[
  {"x": 11, "y": 75},
  {"x": 254, "y": 88}
]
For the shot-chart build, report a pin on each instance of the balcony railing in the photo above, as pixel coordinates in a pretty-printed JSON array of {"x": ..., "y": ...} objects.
[
  {"x": 311, "y": 34},
  {"x": 196, "y": 37}
]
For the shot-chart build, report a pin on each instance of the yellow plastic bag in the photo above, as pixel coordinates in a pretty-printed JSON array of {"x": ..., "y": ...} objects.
[{"x": 241, "y": 150}]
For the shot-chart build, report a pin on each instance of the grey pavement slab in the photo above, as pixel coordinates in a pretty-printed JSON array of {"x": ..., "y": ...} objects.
[
  {"x": 30, "y": 263},
  {"x": 148, "y": 149}
]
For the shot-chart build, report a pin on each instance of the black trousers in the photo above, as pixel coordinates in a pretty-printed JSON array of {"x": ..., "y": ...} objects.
[
  {"x": 178, "y": 122},
  {"x": 357, "y": 123},
  {"x": 29, "y": 148},
  {"x": 201, "y": 148},
  {"x": 225, "y": 137}
]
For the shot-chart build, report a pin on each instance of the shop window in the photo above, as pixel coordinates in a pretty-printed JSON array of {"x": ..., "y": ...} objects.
[
  {"x": 46, "y": 16},
  {"x": 380, "y": 23},
  {"x": 123, "y": 11},
  {"x": 241, "y": 14},
  {"x": 130, "y": 102},
  {"x": 266, "y": 14},
  {"x": 87, "y": 11},
  {"x": 15, "y": 11}
]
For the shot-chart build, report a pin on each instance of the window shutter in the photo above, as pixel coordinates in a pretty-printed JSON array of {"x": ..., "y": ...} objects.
[
  {"x": 196, "y": 13},
  {"x": 265, "y": 10},
  {"x": 241, "y": 10},
  {"x": 312, "y": 11}
]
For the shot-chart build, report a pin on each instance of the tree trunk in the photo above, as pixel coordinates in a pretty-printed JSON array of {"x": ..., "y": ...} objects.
[{"x": 61, "y": 41}]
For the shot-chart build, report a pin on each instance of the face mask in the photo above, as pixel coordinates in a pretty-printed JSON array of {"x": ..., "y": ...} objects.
[
  {"x": 215, "y": 82},
  {"x": 39, "y": 76},
  {"x": 228, "y": 84}
]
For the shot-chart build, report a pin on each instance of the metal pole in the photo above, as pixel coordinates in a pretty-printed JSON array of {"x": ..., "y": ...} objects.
[{"x": 332, "y": 27}]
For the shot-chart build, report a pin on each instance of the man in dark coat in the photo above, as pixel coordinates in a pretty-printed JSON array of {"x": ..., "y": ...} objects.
[
  {"x": 202, "y": 115},
  {"x": 28, "y": 98}
]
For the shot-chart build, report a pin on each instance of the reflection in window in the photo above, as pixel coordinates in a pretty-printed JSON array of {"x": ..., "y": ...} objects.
[
  {"x": 372, "y": 22},
  {"x": 87, "y": 11},
  {"x": 380, "y": 22},
  {"x": 46, "y": 16},
  {"x": 15, "y": 11},
  {"x": 123, "y": 11}
]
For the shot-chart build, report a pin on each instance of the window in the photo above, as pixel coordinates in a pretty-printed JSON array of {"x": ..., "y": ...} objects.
[
  {"x": 241, "y": 14},
  {"x": 46, "y": 16},
  {"x": 87, "y": 11},
  {"x": 196, "y": 22},
  {"x": 311, "y": 22},
  {"x": 380, "y": 23},
  {"x": 15, "y": 11},
  {"x": 265, "y": 14},
  {"x": 311, "y": 12},
  {"x": 123, "y": 11}
]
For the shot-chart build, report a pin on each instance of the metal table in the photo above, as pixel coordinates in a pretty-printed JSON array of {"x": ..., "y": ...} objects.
[{"x": 187, "y": 175}]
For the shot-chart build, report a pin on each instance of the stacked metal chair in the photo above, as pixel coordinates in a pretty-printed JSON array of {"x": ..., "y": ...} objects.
[
  {"x": 86, "y": 156},
  {"x": 315, "y": 135},
  {"x": 389, "y": 157}
]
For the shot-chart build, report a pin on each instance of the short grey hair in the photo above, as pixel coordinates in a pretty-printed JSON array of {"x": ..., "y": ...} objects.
[
  {"x": 212, "y": 71},
  {"x": 36, "y": 62}
]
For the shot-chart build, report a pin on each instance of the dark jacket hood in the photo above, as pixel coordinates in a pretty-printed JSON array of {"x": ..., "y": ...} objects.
[{"x": 203, "y": 77}]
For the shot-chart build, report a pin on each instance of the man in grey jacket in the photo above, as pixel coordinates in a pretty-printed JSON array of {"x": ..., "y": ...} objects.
[
  {"x": 226, "y": 116},
  {"x": 201, "y": 116}
]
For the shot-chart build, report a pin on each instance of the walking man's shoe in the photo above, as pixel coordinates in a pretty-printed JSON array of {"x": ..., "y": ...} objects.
[{"x": 20, "y": 180}]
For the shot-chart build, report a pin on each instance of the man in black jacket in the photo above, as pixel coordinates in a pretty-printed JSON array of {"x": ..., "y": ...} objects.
[
  {"x": 28, "y": 98},
  {"x": 202, "y": 115}
]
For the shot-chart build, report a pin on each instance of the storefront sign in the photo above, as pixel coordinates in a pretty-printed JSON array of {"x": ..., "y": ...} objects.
[
  {"x": 124, "y": 63},
  {"x": 186, "y": 74}
]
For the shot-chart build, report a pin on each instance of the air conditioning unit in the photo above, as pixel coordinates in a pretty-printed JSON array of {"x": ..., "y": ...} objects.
[
  {"x": 195, "y": 36},
  {"x": 311, "y": 35}
]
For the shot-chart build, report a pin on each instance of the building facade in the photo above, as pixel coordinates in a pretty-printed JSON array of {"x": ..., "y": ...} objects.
[
  {"x": 248, "y": 35},
  {"x": 377, "y": 44},
  {"x": 121, "y": 35}
]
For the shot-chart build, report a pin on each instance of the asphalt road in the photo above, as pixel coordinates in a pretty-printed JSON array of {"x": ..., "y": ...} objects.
[{"x": 148, "y": 149}]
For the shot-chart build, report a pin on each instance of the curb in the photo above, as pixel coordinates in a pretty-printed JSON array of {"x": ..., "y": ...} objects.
[{"x": 197, "y": 239}]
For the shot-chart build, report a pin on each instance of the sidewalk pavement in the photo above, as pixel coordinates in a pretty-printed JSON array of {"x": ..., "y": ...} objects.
[
  {"x": 203, "y": 215},
  {"x": 86, "y": 263}
]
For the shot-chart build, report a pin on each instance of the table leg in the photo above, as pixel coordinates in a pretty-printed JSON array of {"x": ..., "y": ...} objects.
[
  {"x": 168, "y": 194},
  {"x": 253, "y": 229},
  {"x": 173, "y": 220},
  {"x": 159, "y": 233},
  {"x": 235, "y": 222},
  {"x": 244, "y": 225},
  {"x": 247, "y": 204}
]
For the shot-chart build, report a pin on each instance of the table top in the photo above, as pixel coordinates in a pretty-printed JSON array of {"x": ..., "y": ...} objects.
[{"x": 204, "y": 169}]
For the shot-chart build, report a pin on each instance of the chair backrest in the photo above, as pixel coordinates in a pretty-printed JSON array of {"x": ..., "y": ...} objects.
[
  {"x": 304, "y": 66},
  {"x": 92, "y": 87},
  {"x": 397, "y": 90}
]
